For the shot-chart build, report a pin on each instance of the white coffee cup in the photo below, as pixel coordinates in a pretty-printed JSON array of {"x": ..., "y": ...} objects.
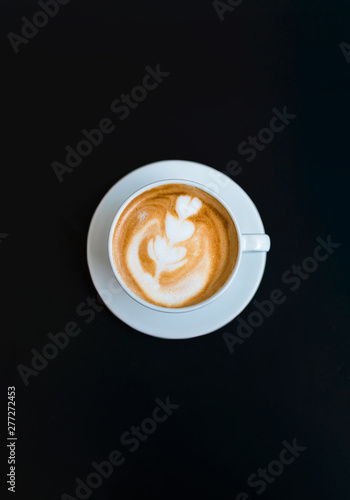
[{"x": 246, "y": 243}]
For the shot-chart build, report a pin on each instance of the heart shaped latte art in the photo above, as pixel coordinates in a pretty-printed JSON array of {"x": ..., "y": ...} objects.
[{"x": 174, "y": 245}]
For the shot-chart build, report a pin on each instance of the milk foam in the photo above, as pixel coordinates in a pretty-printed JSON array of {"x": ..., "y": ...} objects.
[
  {"x": 168, "y": 256},
  {"x": 173, "y": 248}
]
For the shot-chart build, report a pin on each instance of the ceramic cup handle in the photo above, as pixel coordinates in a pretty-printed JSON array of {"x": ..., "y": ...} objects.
[{"x": 255, "y": 243}]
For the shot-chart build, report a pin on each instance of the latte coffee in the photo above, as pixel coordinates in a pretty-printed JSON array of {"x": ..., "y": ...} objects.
[{"x": 175, "y": 245}]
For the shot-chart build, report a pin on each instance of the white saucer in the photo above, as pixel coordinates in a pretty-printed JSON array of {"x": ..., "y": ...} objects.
[{"x": 182, "y": 325}]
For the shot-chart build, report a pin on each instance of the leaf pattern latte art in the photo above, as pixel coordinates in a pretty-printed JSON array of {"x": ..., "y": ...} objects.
[{"x": 165, "y": 252}]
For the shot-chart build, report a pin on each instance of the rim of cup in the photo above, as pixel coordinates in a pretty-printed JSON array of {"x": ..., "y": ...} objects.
[{"x": 132, "y": 294}]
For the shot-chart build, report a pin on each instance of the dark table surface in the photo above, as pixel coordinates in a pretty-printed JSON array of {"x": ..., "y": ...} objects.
[{"x": 267, "y": 416}]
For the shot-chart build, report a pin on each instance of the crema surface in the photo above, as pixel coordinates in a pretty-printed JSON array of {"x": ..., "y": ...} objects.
[{"x": 175, "y": 245}]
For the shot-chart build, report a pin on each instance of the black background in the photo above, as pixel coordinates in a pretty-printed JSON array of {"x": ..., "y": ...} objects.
[{"x": 291, "y": 378}]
